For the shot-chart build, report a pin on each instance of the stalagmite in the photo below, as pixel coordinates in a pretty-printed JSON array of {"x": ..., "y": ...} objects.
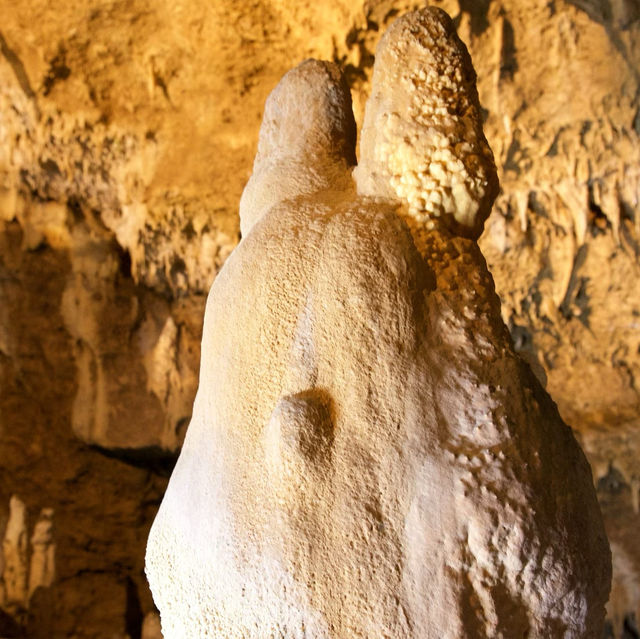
[
  {"x": 367, "y": 455},
  {"x": 43, "y": 568},
  {"x": 15, "y": 551}
]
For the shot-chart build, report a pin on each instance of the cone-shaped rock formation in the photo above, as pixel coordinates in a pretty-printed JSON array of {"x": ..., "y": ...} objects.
[{"x": 367, "y": 455}]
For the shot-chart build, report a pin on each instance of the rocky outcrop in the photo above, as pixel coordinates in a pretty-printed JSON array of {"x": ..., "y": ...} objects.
[
  {"x": 127, "y": 132},
  {"x": 73, "y": 521},
  {"x": 367, "y": 455}
]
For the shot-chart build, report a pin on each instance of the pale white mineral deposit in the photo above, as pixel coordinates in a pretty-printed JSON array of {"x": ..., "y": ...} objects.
[{"x": 367, "y": 456}]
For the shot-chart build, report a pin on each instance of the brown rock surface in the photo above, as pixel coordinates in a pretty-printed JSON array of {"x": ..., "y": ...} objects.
[
  {"x": 126, "y": 137},
  {"x": 74, "y": 521}
]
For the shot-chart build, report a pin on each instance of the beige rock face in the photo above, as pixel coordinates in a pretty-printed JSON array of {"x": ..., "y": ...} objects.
[
  {"x": 367, "y": 455},
  {"x": 127, "y": 133}
]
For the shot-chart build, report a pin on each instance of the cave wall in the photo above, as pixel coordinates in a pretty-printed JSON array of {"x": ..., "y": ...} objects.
[{"x": 127, "y": 132}]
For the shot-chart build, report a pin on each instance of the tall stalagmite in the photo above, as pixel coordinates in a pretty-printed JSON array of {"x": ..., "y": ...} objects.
[{"x": 367, "y": 455}]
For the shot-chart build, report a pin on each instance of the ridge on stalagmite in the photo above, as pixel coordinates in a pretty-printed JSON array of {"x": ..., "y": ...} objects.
[{"x": 367, "y": 455}]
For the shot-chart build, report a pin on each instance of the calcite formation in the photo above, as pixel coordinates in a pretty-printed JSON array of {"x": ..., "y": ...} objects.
[
  {"x": 127, "y": 132},
  {"x": 25, "y": 568},
  {"x": 367, "y": 455},
  {"x": 422, "y": 138}
]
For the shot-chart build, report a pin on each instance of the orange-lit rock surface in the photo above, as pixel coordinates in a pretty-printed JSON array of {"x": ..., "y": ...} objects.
[{"x": 127, "y": 133}]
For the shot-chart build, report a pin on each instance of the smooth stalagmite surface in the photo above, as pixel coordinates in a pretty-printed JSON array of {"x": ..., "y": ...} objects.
[{"x": 367, "y": 455}]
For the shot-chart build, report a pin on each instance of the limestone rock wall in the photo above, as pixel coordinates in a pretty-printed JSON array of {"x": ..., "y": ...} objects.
[{"x": 127, "y": 132}]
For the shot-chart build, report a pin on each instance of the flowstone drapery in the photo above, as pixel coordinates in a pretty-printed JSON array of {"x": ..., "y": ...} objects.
[{"x": 367, "y": 456}]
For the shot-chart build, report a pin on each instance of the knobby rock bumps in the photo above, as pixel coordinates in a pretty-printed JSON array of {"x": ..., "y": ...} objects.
[{"x": 367, "y": 456}]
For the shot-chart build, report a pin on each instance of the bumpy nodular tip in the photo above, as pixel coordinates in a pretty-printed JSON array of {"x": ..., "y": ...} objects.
[{"x": 422, "y": 139}]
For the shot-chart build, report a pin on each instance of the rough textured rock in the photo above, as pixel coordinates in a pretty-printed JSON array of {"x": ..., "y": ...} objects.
[
  {"x": 74, "y": 525},
  {"x": 422, "y": 137},
  {"x": 367, "y": 455},
  {"x": 127, "y": 132}
]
